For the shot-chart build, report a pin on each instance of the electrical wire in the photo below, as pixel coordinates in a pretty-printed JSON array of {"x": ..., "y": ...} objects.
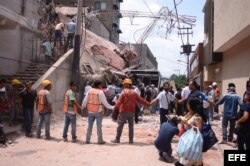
[
  {"x": 170, "y": 60},
  {"x": 178, "y": 21},
  {"x": 137, "y": 31},
  {"x": 146, "y": 4}
]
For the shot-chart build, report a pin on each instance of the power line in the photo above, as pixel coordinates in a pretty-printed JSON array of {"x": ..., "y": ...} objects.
[
  {"x": 178, "y": 21},
  {"x": 170, "y": 60},
  {"x": 148, "y": 7}
]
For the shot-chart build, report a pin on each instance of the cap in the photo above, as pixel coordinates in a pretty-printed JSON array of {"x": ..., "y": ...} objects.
[
  {"x": 46, "y": 83},
  {"x": 214, "y": 84},
  {"x": 15, "y": 82},
  {"x": 127, "y": 81}
]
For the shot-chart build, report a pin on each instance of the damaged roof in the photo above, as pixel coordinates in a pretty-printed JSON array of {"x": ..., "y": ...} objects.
[{"x": 102, "y": 50}]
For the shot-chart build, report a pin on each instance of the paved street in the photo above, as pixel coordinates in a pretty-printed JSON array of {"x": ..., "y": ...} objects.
[{"x": 26, "y": 151}]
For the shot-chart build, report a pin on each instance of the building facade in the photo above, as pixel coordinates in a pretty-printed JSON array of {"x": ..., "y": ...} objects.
[
  {"x": 19, "y": 21},
  {"x": 227, "y": 43},
  {"x": 107, "y": 13},
  {"x": 145, "y": 59},
  {"x": 196, "y": 65}
]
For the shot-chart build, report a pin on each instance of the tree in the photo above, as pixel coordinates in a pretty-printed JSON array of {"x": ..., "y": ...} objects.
[{"x": 179, "y": 80}]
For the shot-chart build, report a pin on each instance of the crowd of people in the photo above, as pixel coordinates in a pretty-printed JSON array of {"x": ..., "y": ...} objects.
[{"x": 191, "y": 107}]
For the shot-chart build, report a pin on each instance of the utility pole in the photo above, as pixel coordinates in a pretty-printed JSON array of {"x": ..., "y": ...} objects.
[
  {"x": 76, "y": 59},
  {"x": 187, "y": 48}
]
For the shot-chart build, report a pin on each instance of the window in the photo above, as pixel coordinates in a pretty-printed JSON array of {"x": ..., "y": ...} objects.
[{"x": 100, "y": 5}]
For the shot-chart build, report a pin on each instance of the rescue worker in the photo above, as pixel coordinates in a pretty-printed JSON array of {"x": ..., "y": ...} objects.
[
  {"x": 14, "y": 102},
  {"x": 44, "y": 108},
  {"x": 70, "y": 110},
  {"x": 126, "y": 103},
  {"x": 94, "y": 101}
]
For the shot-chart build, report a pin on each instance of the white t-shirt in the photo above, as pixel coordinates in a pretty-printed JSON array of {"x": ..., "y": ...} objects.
[
  {"x": 86, "y": 89},
  {"x": 164, "y": 99},
  {"x": 185, "y": 92}
]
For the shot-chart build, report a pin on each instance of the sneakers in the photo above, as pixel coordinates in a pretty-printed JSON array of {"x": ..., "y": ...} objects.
[
  {"x": 168, "y": 158},
  {"x": 115, "y": 141},
  {"x": 102, "y": 142}
]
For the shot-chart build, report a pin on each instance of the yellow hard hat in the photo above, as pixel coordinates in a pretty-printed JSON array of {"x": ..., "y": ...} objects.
[
  {"x": 46, "y": 83},
  {"x": 15, "y": 82},
  {"x": 127, "y": 81}
]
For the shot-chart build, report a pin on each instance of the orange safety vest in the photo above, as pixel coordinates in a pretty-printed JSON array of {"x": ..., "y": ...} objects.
[
  {"x": 93, "y": 100},
  {"x": 66, "y": 103},
  {"x": 41, "y": 100}
]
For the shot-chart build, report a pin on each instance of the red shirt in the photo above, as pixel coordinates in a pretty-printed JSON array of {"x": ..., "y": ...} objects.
[
  {"x": 217, "y": 94},
  {"x": 128, "y": 99}
]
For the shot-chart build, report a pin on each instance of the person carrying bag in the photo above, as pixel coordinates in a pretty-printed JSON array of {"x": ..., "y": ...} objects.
[{"x": 190, "y": 145}]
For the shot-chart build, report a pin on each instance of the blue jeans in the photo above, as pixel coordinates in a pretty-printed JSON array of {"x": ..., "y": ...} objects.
[
  {"x": 43, "y": 117},
  {"x": 225, "y": 121},
  {"x": 91, "y": 120},
  {"x": 58, "y": 37},
  {"x": 27, "y": 119},
  {"x": 69, "y": 41},
  {"x": 69, "y": 118},
  {"x": 47, "y": 59}
]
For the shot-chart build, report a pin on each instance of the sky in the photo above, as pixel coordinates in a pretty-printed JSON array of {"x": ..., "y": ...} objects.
[{"x": 166, "y": 48}]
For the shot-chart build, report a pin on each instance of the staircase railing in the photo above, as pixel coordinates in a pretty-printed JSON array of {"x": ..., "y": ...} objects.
[{"x": 38, "y": 50}]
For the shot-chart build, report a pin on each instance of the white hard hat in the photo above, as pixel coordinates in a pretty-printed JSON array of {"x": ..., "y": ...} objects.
[{"x": 214, "y": 84}]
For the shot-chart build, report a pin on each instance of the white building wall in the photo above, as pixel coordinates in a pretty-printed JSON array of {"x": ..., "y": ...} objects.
[
  {"x": 235, "y": 67},
  {"x": 16, "y": 44},
  {"x": 231, "y": 23}
]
